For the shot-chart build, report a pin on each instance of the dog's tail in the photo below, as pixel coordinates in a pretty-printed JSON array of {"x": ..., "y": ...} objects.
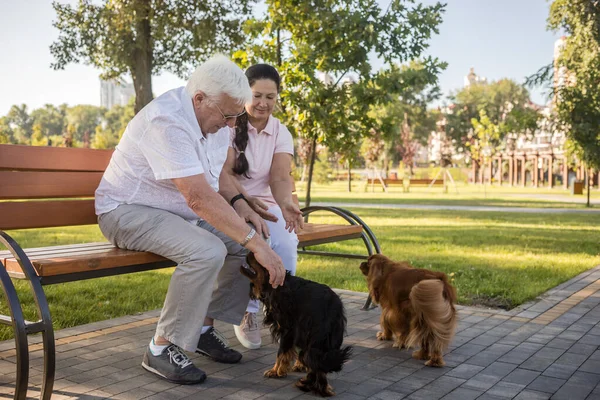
[
  {"x": 434, "y": 318},
  {"x": 330, "y": 361}
]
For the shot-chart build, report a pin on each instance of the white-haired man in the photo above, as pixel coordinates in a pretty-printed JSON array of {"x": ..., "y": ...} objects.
[{"x": 161, "y": 193}]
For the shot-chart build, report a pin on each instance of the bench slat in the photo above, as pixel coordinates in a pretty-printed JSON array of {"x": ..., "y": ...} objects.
[
  {"x": 41, "y": 158},
  {"x": 313, "y": 232},
  {"x": 64, "y": 248},
  {"x": 74, "y": 263},
  {"x": 388, "y": 181},
  {"x": 45, "y": 214},
  {"x": 37, "y": 185},
  {"x": 89, "y": 257}
]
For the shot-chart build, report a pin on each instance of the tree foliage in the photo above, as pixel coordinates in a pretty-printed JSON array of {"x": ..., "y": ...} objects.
[
  {"x": 110, "y": 131},
  {"x": 574, "y": 77},
  {"x": 48, "y": 121},
  {"x": 503, "y": 107},
  {"x": 79, "y": 126},
  {"x": 145, "y": 37},
  {"x": 6, "y": 133},
  {"x": 20, "y": 123},
  {"x": 405, "y": 122},
  {"x": 83, "y": 119},
  {"x": 322, "y": 50}
]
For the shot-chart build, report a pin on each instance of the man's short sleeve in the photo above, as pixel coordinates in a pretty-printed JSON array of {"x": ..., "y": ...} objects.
[
  {"x": 169, "y": 148},
  {"x": 285, "y": 142}
]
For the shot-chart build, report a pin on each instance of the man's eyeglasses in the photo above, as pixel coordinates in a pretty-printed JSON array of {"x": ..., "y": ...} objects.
[{"x": 229, "y": 117}]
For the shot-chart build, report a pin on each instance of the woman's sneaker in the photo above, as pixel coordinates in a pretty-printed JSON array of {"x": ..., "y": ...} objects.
[
  {"x": 214, "y": 345},
  {"x": 248, "y": 332},
  {"x": 173, "y": 365}
]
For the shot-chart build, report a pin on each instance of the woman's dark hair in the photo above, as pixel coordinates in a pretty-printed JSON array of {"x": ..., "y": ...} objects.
[{"x": 253, "y": 73}]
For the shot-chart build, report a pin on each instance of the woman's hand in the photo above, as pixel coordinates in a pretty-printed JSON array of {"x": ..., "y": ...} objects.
[
  {"x": 261, "y": 208},
  {"x": 292, "y": 216}
]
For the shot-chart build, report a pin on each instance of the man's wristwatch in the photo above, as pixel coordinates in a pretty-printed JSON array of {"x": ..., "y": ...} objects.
[
  {"x": 236, "y": 198},
  {"x": 248, "y": 237}
]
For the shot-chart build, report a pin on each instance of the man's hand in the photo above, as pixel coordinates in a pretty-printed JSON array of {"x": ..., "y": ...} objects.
[
  {"x": 292, "y": 216},
  {"x": 272, "y": 262},
  {"x": 261, "y": 208},
  {"x": 245, "y": 211}
]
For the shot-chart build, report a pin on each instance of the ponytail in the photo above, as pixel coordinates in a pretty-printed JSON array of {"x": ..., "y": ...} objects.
[{"x": 241, "y": 141}]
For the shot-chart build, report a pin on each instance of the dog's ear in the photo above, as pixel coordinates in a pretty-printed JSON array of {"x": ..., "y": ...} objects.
[
  {"x": 376, "y": 266},
  {"x": 364, "y": 268},
  {"x": 248, "y": 271}
]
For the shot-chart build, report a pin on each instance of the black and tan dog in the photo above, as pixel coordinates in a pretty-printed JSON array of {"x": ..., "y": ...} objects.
[{"x": 304, "y": 316}]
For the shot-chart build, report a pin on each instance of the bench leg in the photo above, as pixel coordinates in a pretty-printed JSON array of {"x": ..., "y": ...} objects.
[
  {"x": 367, "y": 236},
  {"x": 22, "y": 328},
  {"x": 17, "y": 321}
]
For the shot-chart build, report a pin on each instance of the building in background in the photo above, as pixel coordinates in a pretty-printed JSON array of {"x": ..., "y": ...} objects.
[
  {"x": 472, "y": 78},
  {"x": 114, "y": 93}
]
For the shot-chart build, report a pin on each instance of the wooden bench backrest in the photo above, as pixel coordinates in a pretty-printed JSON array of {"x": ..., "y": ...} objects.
[{"x": 59, "y": 184}]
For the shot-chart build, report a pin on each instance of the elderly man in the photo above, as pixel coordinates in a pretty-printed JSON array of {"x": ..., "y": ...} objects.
[{"x": 160, "y": 193}]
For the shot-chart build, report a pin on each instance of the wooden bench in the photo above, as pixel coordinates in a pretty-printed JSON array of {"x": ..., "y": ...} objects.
[
  {"x": 406, "y": 185},
  {"x": 44, "y": 187},
  {"x": 411, "y": 182}
]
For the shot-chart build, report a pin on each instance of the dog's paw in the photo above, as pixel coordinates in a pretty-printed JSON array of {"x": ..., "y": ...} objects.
[
  {"x": 398, "y": 345},
  {"x": 274, "y": 373},
  {"x": 299, "y": 368},
  {"x": 437, "y": 363},
  {"x": 419, "y": 355},
  {"x": 302, "y": 384},
  {"x": 327, "y": 392},
  {"x": 382, "y": 336}
]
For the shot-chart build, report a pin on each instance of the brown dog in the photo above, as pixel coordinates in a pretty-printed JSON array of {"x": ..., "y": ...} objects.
[{"x": 417, "y": 306}]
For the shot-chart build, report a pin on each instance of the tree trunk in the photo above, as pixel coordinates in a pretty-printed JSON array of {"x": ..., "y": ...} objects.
[
  {"x": 313, "y": 155},
  {"x": 279, "y": 62},
  {"x": 349, "y": 176},
  {"x": 141, "y": 71},
  {"x": 278, "y": 48},
  {"x": 587, "y": 181},
  {"x": 303, "y": 176}
]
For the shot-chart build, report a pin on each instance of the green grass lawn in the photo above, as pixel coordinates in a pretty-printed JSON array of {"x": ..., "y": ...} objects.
[
  {"x": 468, "y": 195},
  {"x": 496, "y": 259}
]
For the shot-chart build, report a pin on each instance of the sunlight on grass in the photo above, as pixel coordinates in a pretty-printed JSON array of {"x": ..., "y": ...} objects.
[{"x": 468, "y": 195}]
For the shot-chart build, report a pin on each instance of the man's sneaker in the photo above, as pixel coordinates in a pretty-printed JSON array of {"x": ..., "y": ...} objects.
[
  {"x": 248, "y": 332},
  {"x": 213, "y": 345},
  {"x": 173, "y": 365}
]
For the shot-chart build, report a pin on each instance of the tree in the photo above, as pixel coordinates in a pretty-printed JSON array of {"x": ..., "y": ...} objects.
[
  {"x": 405, "y": 121},
  {"x": 372, "y": 150},
  {"x": 48, "y": 121},
  {"x": 20, "y": 123},
  {"x": 316, "y": 45},
  {"x": 303, "y": 149},
  {"x": 6, "y": 132},
  {"x": 83, "y": 119},
  {"x": 145, "y": 37},
  {"x": 504, "y": 104},
  {"x": 114, "y": 122},
  {"x": 575, "y": 74}
]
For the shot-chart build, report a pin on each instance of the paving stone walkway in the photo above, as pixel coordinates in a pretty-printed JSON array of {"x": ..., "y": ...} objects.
[{"x": 548, "y": 349}]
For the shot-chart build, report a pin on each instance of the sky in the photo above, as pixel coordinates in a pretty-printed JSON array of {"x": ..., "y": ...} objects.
[{"x": 499, "y": 39}]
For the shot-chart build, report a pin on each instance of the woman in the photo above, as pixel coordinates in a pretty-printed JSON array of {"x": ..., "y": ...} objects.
[{"x": 259, "y": 158}]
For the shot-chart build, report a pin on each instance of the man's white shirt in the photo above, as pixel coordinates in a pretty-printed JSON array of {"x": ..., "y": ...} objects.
[{"x": 163, "y": 141}]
